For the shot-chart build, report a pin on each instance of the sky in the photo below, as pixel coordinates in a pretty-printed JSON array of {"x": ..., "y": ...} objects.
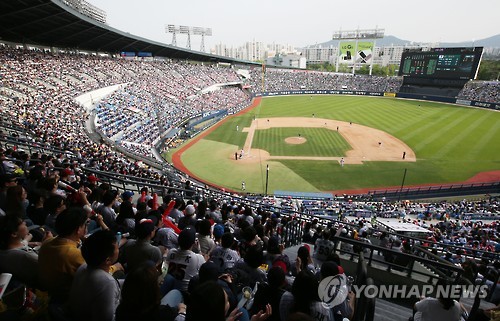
[{"x": 302, "y": 23}]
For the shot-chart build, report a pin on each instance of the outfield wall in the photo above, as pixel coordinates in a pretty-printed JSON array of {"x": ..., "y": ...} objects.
[
  {"x": 481, "y": 104},
  {"x": 319, "y": 92},
  {"x": 442, "y": 99}
]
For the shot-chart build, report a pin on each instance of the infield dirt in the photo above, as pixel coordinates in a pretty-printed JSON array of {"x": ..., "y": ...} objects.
[{"x": 368, "y": 144}]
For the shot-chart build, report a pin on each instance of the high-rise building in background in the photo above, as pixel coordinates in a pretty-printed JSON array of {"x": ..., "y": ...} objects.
[{"x": 255, "y": 51}]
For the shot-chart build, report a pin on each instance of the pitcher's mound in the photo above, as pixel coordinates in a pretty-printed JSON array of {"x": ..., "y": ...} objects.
[{"x": 295, "y": 140}]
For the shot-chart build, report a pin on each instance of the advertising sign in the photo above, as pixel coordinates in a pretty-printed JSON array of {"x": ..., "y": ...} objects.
[{"x": 360, "y": 52}]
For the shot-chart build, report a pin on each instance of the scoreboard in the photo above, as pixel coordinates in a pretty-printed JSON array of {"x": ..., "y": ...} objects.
[{"x": 442, "y": 63}]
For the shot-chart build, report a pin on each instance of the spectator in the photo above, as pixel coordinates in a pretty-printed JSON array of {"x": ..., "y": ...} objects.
[
  {"x": 346, "y": 308},
  {"x": 166, "y": 237},
  {"x": 126, "y": 217},
  {"x": 54, "y": 205},
  {"x": 15, "y": 257},
  {"x": 141, "y": 300},
  {"x": 36, "y": 213},
  {"x": 136, "y": 252},
  {"x": 304, "y": 298},
  {"x": 95, "y": 294},
  {"x": 210, "y": 299},
  {"x": 224, "y": 256},
  {"x": 322, "y": 248},
  {"x": 17, "y": 202},
  {"x": 274, "y": 255},
  {"x": 210, "y": 273},
  {"x": 249, "y": 269},
  {"x": 189, "y": 218},
  {"x": 442, "y": 308},
  {"x": 249, "y": 238},
  {"x": 60, "y": 257},
  {"x": 183, "y": 263},
  {"x": 107, "y": 211},
  {"x": 6, "y": 181},
  {"x": 214, "y": 212},
  {"x": 205, "y": 241},
  {"x": 270, "y": 293},
  {"x": 303, "y": 262},
  {"x": 176, "y": 213}
]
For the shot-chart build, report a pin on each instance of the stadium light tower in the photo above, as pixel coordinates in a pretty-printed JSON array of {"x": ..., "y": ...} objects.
[
  {"x": 203, "y": 32},
  {"x": 358, "y": 47},
  {"x": 174, "y": 30},
  {"x": 186, "y": 30}
]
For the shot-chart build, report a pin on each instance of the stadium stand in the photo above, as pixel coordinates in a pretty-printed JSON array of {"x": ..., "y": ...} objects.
[
  {"x": 280, "y": 80},
  {"x": 487, "y": 91}
]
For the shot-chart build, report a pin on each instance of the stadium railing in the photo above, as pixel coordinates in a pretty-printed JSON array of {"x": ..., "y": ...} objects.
[
  {"x": 20, "y": 143},
  {"x": 454, "y": 272},
  {"x": 436, "y": 191}
]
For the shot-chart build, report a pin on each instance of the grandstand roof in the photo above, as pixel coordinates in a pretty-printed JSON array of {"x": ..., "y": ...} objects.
[{"x": 52, "y": 23}]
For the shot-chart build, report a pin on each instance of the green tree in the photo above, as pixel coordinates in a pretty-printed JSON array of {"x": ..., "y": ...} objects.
[
  {"x": 489, "y": 70},
  {"x": 364, "y": 70}
]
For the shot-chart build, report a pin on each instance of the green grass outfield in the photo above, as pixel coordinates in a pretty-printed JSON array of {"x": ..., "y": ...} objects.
[{"x": 452, "y": 144}]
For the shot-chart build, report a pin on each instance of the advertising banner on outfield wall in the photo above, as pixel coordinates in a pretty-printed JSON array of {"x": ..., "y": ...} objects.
[
  {"x": 485, "y": 105},
  {"x": 463, "y": 102},
  {"x": 320, "y": 92},
  {"x": 360, "y": 52},
  {"x": 478, "y": 104}
]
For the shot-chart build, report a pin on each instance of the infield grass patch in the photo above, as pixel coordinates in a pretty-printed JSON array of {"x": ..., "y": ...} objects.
[
  {"x": 213, "y": 162},
  {"x": 318, "y": 142}
]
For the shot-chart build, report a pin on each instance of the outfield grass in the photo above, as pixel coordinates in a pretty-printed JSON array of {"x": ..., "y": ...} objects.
[{"x": 452, "y": 143}]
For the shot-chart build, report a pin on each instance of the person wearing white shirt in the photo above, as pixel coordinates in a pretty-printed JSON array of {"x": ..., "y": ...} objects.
[
  {"x": 183, "y": 263},
  {"x": 432, "y": 309}
]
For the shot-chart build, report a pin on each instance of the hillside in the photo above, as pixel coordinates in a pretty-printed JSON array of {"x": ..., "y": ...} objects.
[{"x": 490, "y": 42}]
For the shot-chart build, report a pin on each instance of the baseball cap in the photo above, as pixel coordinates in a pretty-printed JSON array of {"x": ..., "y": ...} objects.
[
  {"x": 281, "y": 265},
  {"x": 67, "y": 172},
  {"x": 186, "y": 238},
  {"x": 190, "y": 210},
  {"x": 93, "y": 179},
  {"x": 127, "y": 195},
  {"x": 329, "y": 268},
  {"x": 218, "y": 230}
]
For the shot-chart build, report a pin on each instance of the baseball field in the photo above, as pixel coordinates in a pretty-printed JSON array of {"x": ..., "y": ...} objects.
[{"x": 345, "y": 143}]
